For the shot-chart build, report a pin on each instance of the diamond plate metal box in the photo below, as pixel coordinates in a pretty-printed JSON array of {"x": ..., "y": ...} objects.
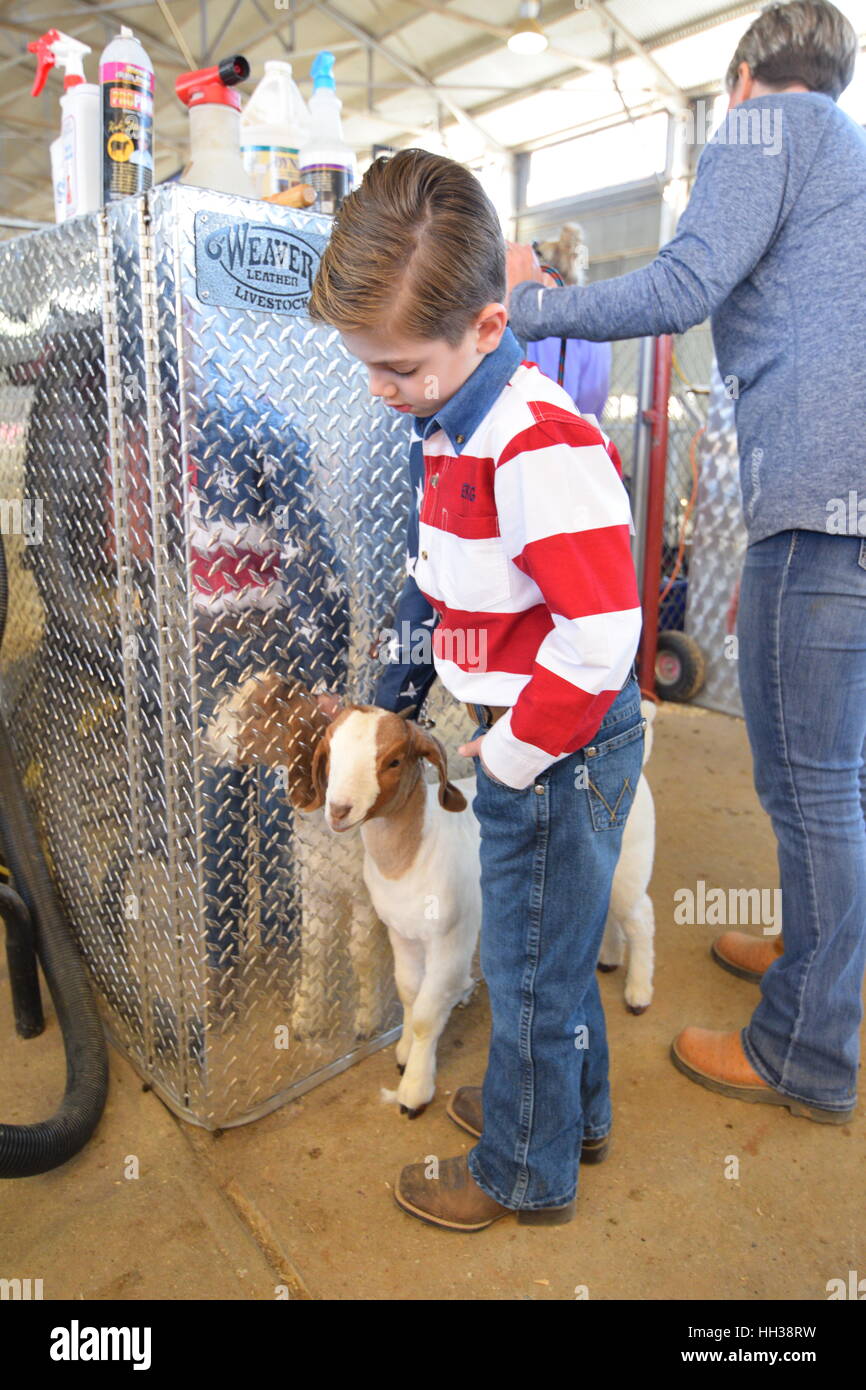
[
  {"x": 217, "y": 494},
  {"x": 718, "y": 550}
]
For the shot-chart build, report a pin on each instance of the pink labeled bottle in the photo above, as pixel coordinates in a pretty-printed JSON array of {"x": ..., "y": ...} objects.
[{"x": 126, "y": 83}]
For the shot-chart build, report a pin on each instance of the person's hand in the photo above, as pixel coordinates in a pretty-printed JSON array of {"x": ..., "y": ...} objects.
[
  {"x": 733, "y": 606},
  {"x": 329, "y": 704},
  {"x": 473, "y": 749},
  {"x": 521, "y": 263}
]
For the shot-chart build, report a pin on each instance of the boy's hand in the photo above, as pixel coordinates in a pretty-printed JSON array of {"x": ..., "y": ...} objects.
[
  {"x": 733, "y": 608},
  {"x": 521, "y": 263},
  {"x": 473, "y": 749},
  {"x": 329, "y": 704}
]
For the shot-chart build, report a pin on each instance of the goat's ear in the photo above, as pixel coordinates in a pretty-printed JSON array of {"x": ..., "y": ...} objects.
[
  {"x": 407, "y": 712},
  {"x": 426, "y": 746},
  {"x": 319, "y": 772}
]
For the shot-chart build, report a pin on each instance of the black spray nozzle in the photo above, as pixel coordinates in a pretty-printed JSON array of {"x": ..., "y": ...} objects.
[{"x": 233, "y": 70}]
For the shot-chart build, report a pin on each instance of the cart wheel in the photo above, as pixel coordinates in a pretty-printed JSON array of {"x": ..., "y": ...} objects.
[{"x": 680, "y": 666}]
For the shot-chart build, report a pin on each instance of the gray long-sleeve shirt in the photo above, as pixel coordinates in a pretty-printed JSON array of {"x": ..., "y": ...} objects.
[{"x": 772, "y": 246}]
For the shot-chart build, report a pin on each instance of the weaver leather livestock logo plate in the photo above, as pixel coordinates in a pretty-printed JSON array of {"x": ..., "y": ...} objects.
[{"x": 253, "y": 265}]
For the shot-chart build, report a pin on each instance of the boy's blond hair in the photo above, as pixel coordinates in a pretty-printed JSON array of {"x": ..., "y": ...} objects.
[{"x": 416, "y": 250}]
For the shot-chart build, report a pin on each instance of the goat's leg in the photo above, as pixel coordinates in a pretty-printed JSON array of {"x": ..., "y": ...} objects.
[
  {"x": 319, "y": 902},
  {"x": 612, "y": 953},
  {"x": 408, "y": 974},
  {"x": 446, "y": 980},
  {"x": 368, "y": 949},
  {"x": 639, "y": 927}
]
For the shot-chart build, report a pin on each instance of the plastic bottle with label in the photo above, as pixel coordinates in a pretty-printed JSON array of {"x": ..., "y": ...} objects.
[
  {"x": 326, "y": 161},
  {"x": 214, "y": 127},
  {"x": 58, "y": 178},
  {"x": 126, "y": 80},
  {"x": 274, "y": 123},
  {"x": 75, "y": 153}
]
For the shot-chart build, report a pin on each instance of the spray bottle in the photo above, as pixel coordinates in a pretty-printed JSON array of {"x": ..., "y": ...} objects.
[
  {"x": 273, "y": 126},
  {"x": 126, "y": 79},
  {"x": 214, "y": 127},
  {"x": 326, "y": 161},
  {"x": 75, "y": 154}
]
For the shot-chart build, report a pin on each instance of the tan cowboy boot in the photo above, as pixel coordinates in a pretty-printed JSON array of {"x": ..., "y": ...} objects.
[
  {"x": 717, "y": 1061},
  {"x": 747, "y": 956},
  {"x": 465, "y": 1109},
  {"x": 454, "y": 1199}
]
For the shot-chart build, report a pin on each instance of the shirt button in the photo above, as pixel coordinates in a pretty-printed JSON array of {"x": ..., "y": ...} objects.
[
  {"x": 460, "y": 438},
  {"x": 423, "y": 554},
  {"x": 539, "y": 789},
  {"x": 435, "y": 479}
]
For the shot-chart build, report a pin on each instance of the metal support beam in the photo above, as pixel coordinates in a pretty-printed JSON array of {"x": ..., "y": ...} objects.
[
  {"x": 504, "y": 32},
  {"x": 182, "y": 45},
  {"x": 276, "y": 27},
  {"x": 668, "y": 89},
  {"x": 213, "y": 46},
  {"x": 419, "y": 78}
]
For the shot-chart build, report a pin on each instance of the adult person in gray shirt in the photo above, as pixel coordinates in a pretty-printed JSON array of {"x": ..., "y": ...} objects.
[{"x": 772, "y": 246}]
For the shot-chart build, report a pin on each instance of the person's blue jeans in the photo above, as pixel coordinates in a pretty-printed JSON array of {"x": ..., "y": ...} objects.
[
  {"x": 548, "y": 855},
  {"x": 802, "y": 667}
]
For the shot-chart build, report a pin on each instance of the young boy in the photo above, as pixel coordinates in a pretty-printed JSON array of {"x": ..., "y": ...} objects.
[{"x": 523, "y": 550}]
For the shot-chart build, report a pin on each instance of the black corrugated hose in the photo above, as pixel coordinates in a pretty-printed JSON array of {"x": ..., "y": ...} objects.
[{"x": 37, "y": 1148}]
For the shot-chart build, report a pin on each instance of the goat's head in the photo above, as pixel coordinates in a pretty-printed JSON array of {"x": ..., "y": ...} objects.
[
  {"x": 568, "y": 254},
  {"x": 273, "y": 720},
  {"x": 367, "y": 764}
]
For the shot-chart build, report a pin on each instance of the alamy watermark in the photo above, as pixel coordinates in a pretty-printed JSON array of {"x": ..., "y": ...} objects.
[
  {"x": 846, "y": 516},
  {"x": 466, "y": 646},
  {"x": 22, "y": 518},
  {"x": 755, "y": 125},
  {"x": 720, "y": 907}
]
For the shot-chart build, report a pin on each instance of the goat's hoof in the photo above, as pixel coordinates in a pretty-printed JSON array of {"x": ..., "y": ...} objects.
[
  {"x": 637, "y": 1008},
  {"x": 606, "y": 969},
  {"x": 401, "y": 1067},
  {"x": 413, "y": 1114}
]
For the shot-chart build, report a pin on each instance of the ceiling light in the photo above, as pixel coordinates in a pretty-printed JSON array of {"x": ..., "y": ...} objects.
[{"x": 528, "y": 36}]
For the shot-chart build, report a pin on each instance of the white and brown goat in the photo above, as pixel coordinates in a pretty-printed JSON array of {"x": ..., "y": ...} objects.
[
  {"x": 342, "y": 945},
  {"x": 421, "y": 867}
]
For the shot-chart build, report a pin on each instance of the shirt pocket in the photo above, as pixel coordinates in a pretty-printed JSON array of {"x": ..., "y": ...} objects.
[{"x": 474, "y": 571}]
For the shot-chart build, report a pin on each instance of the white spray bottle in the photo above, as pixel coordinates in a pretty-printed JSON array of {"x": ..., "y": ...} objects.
[
  {"x": 326, "y": 161},
  {"x": 75, "y": 155},
  {"x": 273, "y": 126},
  {"x": 214, "y": 127}
]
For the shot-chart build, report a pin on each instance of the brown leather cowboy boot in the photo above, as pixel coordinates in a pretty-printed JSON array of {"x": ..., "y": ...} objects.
[
  {"x": 454, "y": 1200},
  {"x": 717, "y": 1060},
  {"x": 747, "y": 956},
  {"x": 465, "y": 1109}
]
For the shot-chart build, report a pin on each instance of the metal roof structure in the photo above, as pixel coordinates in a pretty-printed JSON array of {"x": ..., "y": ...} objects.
[{"x": 408, "y": 71}]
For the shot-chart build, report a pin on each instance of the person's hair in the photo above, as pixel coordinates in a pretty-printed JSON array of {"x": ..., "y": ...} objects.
[
  {"x": 417, "y": 248},
  {"x": 807, "y": 41}
]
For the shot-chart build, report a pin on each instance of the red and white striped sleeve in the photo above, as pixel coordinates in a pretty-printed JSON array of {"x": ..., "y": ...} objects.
[{"x": 565, "y": 520}]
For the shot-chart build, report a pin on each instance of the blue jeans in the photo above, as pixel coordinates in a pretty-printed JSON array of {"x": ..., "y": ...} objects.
[
  {"x": 802, "y": 670},
  {"x": 548, "y": 855}
]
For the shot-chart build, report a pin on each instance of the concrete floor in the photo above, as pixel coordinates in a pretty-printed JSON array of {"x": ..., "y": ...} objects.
[{"x": 303, "y": 1198}]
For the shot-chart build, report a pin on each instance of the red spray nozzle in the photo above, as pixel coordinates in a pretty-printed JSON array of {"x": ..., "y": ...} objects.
[
  {"x": 44, "y": 50},
  {"x": 214, "y": 85},
  {"x": 56, "y": 49}
]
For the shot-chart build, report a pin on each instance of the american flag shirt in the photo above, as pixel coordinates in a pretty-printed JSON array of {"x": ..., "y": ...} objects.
[{"x": 524, "y": 553}]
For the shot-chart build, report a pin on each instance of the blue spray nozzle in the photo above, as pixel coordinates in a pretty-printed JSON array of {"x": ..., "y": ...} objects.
[{"x": 322, "y": 71}]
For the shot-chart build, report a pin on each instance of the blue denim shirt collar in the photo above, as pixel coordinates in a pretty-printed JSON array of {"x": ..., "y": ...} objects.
[{"x": 463, "y": 413}]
